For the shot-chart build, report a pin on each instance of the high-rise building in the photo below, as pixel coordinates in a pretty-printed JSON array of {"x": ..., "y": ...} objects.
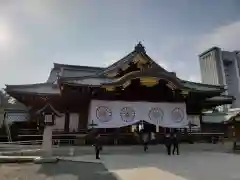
[{"x": 220, "y": 67}]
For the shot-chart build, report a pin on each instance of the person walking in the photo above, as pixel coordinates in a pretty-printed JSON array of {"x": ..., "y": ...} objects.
[
  {"x": 145, "y": 141},
  {"x": 98, "y": 146},
  {"x": 168, "y": 143},
  {"x": 175, "y": 142}
]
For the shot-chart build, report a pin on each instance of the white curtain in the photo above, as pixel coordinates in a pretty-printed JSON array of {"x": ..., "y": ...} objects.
[
  {"x": 59, "y": 123},
  {"x": 73, "y": 122},
  {"x": 194, "y": 121},
  {"x": 113, "y": 114}
]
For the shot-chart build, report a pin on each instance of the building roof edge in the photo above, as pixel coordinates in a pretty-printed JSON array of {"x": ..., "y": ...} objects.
[{"x": 208, "y": 50}]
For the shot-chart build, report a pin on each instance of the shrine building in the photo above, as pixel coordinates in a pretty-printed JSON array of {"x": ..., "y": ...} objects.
[{"x": 131, "y": 91}]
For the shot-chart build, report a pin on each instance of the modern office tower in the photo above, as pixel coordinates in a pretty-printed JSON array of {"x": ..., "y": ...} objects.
[{"x": 220, "y": 67}]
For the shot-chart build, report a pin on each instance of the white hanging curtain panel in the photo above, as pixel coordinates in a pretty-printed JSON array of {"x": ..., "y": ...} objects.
[{"x": 114, "y": 114}]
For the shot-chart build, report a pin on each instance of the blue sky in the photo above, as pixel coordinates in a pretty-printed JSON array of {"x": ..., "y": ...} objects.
[{"x": 36, "y": 33}]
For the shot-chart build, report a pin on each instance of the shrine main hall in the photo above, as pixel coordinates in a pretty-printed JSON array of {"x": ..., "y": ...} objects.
[{"x": 134, "y": 90}]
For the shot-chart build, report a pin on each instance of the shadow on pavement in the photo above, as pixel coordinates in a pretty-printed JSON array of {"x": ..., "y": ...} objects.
[{"x": 76, "y": 170}]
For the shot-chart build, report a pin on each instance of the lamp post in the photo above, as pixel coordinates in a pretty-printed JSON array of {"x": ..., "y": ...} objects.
[
  {"x": 92, "y": 125},
  {"x": 49, "y": 114},
  {"x": 49, "y": 121}
]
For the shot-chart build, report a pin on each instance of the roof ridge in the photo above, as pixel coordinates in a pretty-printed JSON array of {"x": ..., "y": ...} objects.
[
  {"x": 133, "y": 53},
  {"x": 59, "y": 65},
  {"x": 83, "y": 77},
  {"x": 29, "y": 85},
  {"x": 117, "y": 62},
  {"x": 156, "y": 64}
]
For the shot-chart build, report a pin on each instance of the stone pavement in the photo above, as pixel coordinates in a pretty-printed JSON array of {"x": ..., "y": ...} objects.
[
  {"x": 196, "y": 162},
  {"x": 186, "y": 166}
]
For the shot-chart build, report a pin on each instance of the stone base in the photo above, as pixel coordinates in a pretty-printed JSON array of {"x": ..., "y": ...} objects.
[{"x": 47, "y": 141}]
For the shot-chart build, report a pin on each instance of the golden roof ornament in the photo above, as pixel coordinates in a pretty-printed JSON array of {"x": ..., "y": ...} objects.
[{"x": 140, "y": 48}]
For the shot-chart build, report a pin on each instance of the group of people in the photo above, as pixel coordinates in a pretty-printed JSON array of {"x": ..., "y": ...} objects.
[{"x": 171, "y": 142}]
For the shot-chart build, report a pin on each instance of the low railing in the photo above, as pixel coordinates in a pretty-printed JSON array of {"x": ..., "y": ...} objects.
[
  {"x": 82, "y": 139},
  {"x": 55, "y": 142}
]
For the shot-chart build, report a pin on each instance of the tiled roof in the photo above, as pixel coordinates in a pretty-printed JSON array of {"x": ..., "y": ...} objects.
[
  {"x": 53, "y": 75},
  {"x": 76, "y": 73},
  {"x": 97, "y": 81},
  {"x": 201, "y": 86},
  {"x": 124, "y": 60},
  {"x": 94, "y": 76},
  {"x": 87, "y": 68},
  {"x": 220, "y": 98},
  {"x": 93, "y": 80},
  {"x": 41, "y": 88},
  {"x": 214, "y": 118},
  {"x": 65, "y": 70},
  {"x": 219, "y": 117},
  {"x": 89, "y": 81}
]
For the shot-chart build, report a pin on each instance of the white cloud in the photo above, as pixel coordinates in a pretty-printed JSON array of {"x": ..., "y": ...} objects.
[
  {"x": 226, "y": 37},
  {"x": 12, "y": 41},
  {"x": 5, "y": 35},
  {"x": 194, "y": 78}
]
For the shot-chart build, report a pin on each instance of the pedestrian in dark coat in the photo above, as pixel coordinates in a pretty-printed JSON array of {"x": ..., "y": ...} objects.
[
  {"x": 98, "y": 146},
  {"x": 175, "y": 142},
  {"x": 145, "y": 138},
  {"x": 168, "y": 143}
]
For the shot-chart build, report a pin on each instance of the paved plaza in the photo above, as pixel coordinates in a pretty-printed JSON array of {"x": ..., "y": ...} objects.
[{"x": 189, "y": 165}]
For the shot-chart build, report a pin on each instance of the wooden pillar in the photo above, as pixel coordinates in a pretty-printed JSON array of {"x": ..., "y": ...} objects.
[
  {"x": 79, "y": 122},
  {"x": 83, "y": 119},
  {"x": 201, "y": 122},
  {"x": 66, "y": 124}
]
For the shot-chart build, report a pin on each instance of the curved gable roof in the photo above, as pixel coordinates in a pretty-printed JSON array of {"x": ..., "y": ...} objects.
[{"x": 139, "y": 50}]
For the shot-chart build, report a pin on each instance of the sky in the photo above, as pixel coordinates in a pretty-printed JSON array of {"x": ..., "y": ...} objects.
[{"x": 36, "y": 33}]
